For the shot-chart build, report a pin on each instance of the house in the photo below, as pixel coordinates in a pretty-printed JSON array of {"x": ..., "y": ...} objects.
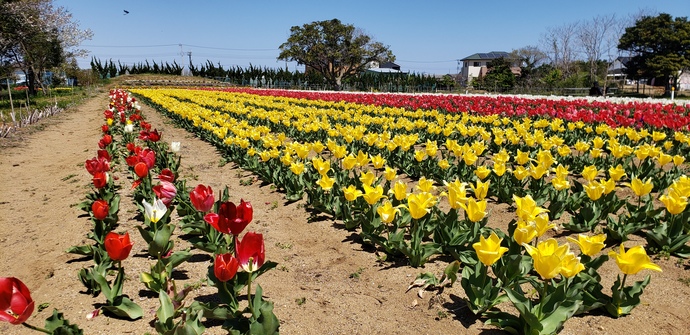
[
  {"x": 476, "y": 65},
  {"x": 616, "y": 70}
]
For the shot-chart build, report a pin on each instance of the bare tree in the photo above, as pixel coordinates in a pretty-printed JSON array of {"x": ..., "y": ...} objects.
[
  {"x": 559, "y": 45},
  {"x": 597, "y": 39}
]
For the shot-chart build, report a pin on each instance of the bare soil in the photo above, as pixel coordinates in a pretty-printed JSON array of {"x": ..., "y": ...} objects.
[{"x": 326, "y": 281}]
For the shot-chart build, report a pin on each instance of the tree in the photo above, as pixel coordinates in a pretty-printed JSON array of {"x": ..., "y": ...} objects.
[
  {"x": 529, "y": 58},
  {"x": 597, "y": 37},
  {"x": 660, "y": 46},
  {"x": 333, "y": 49},
  {"x": 559, "y": 45},
  {"x": 36, "y": 36},
  {"x": 499, "y": 76}
]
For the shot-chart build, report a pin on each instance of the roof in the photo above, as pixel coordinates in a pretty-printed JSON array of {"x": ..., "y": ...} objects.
[
  {"x": 487, "y": 56},
  {"x": 383, "y": 70}
]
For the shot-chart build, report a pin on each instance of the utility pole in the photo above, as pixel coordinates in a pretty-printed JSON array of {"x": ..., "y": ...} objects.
[{"x": 189, "y": 53}]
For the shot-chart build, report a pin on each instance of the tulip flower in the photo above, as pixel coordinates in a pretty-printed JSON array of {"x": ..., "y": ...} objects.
[
  {"x": 547, "y": 257},
  {"x": 129, "y": 127},
  {"x": 456, "y": 193},
  {"x": 639, "y": 187},
  {"x": 594, "y": 190},
  {"x": 474, "y": 210},
  {"x": 674, "y": 203},
  {"x": 589, "y": 245},
  {"x": 165, "y": 191},
  {"x": 367, "y": 178},
  {"x": 570, "y": 265},
  {"x": 100, "y": 209},
  {"x": 231, "y": 219},
  {"x": 387, "y": 212},
  {"x": 420, "y": 204},
  {"x": 425, "y": 185},
  {"x": 349, "y": 162},
  {"x": 481, "y": 190},
  {"x": 489, "y": 250},
  {"x": 399, "y": 190},
  {"x": 499, "y": 169},
  {"x": 175, "y": 146},
  {"x": 482, "y": 172},
  {"x": 97, "y": 164},
  {"x": 525, "y": 232},
  {"x": 118, "y": 246},
  {"x": 633, "y": 261},
  {"x": 526, "y": 208},
  {"x": 590, "y": 172},
  {"x": 154, "y": 212},
  {"x": 541, "y": 224},
  {"x": 202, "y": 198},
  {"x": 372, "y": 195},
  {"x": 322, "y": 166},
  {"x": 443, "y": 164},
  {"x": 390, "y": 173},
  {"x": 362, "y": 158},
  {"x": 141, "y": 170},
  {"x": 351, "y": 193},
  {"x": 378, "y": 161},
  {"x": 225, "y": 267},
  {"x": 16, "y": 304},
  {"x": 100, "y": 179},
  {"x": 326, "y": 182},
  {"x": 250, "y": 251}
]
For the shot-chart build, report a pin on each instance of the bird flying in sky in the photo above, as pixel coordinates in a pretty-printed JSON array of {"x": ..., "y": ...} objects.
[{"x": 126, "y": 12}]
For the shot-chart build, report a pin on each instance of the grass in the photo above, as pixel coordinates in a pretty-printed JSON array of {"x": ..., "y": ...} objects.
[{"x": 63, "y": 98}]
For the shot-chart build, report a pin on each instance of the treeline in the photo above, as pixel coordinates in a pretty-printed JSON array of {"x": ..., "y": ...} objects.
[{"x": 257, "y": 76}]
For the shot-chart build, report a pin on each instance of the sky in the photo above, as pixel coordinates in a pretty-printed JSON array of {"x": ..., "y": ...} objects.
[{"x": 425, "y": 36}]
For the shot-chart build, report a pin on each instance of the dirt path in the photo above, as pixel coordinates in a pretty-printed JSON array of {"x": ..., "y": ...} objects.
[{"x": 326, "y": 282}]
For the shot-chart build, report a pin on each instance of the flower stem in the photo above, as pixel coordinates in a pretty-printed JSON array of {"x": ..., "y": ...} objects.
[
  {"x": 36, "y": 328},
  {"x": 249, "y": 292}
]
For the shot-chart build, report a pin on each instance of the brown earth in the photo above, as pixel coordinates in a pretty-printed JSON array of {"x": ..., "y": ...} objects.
[{"x": 326, "y": 281}]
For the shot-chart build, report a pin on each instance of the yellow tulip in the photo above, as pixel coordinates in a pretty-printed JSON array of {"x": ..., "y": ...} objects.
[
  {"x": 367, "y": 178},
  {"x": 561, "y": 171},
  {"x": 520, "y": 172},
  {"x": 286, "y": 159},
  {"x": 372, "y": 195},
  {"x": 547, "y": 257},
  {"x": 658, "y": 136},
  {"x": 302, "y": 151},
  {"x": 297, "y": 168},
  {"x": 639, "y": 187},
  {"x": 317, "y": 147},
  {"x": 387, "y": 212},
  {"x": 390, "y": 173},
  {"x": 560, "y": 183},
  {"x": 320, "y": 165},
  {"x": 481, "y": 190},
  {"x": 598, "y": 142},
  {"x": 538, "y": 171},
  {"x": 616, "y": 173},
  {"x": 399, "y": 190},
  {"x": 590, "y": 172},
  {"x": 609, "y": 186},
  {"x": 522, "y": 157},
  {"x": 326, "y": 182},
  {"x": 499, "y": 168},
  {"x": 351, "y": 193},
  {"x": 633, "y": 261},
  {"x": 457, "y": 193},
  {"x": 674, "y": 203},
  {"x": 482, "y": 172},
  {"x": 594, "y": 190},
  {"x": 542, "y": 224},
  {"x": 564, "y": 151},
  {"x": 425, "y": 185},
  {"x": 349, "y": 162},
  {"x": 419, "y": 155},
  {"x": 265, "y": 156},
  {"x": 362, "y": 158},
  {"x": 570, "y": 265},
  {"x": 443, "y": 164},
  {"x": 526, "y": 208},
  {"x": 474, "y": 210},
  {"x": 339, "y": 151},
  {"x": 678, "y": 160},
  {"x": 525, "y": 232},
  {"x": 589, "y": 245},
  {"x": 469, "y": 157},
  {"x": 489, "y": 250},
  {"x": 420, "y": 204},
  {"x": 378, "y": 161}
]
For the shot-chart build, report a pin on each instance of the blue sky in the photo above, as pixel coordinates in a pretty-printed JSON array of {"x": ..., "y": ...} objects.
[{"x": 426, "y": 37}]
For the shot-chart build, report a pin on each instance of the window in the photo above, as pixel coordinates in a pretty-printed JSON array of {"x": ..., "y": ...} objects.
[{"x": 477, "y": 64}]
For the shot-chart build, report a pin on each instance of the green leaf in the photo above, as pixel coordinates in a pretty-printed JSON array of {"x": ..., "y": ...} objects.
[
  {"x": 57, "y": 325},
  {"x": 125, "y": 308},
  {"x": 86, "y": 250}
]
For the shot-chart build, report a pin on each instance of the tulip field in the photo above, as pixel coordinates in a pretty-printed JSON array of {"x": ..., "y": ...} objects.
[
  {"x": 414, "y": 174},
  {"x": 416, "y": 178}
]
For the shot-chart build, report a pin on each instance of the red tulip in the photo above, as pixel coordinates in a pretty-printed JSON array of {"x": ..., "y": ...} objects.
[
  {"x": 154, "y": 136},
  {"x": 165, "y": 191},
  {"x": 100, "y": 179},
  {"x": 147, "y": 156},
  {"x": 16, "y": 304},
  {"x": 202, "y": 198},
  {"x": 100, "y": 209},
  {"x": 166, "y": 175},
  {"x": 231, "y": 219},
  {"x": 130, "y": 147},
  {"x": 141, "y": 169},
  {"x": 250, "y": 251},
  {"x": 225, "y": 267},
  {"x": 97, "y": 164},
  {"x": 108, "y": 114},
  {"x": 104, "y": 154},
  {"x": 118, "y": 246}
]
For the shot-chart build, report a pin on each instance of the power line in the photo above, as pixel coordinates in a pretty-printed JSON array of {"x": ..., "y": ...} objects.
[{"x": 174, "y": 45}]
